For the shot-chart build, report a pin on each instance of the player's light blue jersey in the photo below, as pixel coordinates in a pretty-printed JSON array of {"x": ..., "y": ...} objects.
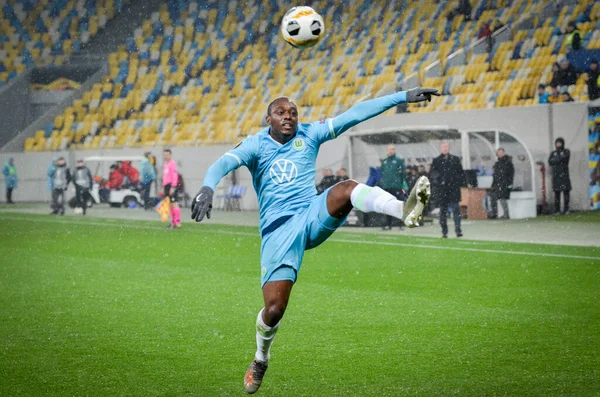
[{"x": 283, "y": 175}]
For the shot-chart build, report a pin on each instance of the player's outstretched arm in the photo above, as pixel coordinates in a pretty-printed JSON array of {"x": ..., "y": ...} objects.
[
  {"x": 368, "y": 109},
  {"x": 202, "y": 204}
]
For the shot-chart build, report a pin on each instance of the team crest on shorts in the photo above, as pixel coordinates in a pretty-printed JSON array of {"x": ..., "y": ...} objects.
[{"x": 298, "y": 144}]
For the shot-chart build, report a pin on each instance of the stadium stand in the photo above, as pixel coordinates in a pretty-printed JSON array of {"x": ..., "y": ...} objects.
[
  {"x": 198, "y": 73},
  {"x": 41, "y": 33},
  {"x": 510, "y": 73}
]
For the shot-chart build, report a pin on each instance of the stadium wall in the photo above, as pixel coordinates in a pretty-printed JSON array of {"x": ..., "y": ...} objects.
[
  {"x": 193, "y": 163},
  {"x": 536, "y": 126}
]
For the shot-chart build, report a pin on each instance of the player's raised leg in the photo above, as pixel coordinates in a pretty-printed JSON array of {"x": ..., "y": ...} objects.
[
  {"x": 276, "y": 295},
  {"x": 348, "y": 194}
]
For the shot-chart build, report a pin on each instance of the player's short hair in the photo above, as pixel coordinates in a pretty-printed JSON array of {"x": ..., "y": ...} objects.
[
  {"x": 167, "y": 150},
  {"x": 501, "y": 148},
  {"x": 270, "y": 107}
]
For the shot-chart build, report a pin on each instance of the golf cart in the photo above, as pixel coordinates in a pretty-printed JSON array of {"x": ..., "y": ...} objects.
[{"x": 115, "y": 197}]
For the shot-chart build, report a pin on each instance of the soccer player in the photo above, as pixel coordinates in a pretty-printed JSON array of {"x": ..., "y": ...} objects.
[
  {"x": 170, "y": 179},
  {"x": 293, "y": 218}
]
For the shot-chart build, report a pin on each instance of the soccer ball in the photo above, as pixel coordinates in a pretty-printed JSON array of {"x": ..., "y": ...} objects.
[
  {"x": 78, "y": 211},
  {"x": 302, "y": 27}
]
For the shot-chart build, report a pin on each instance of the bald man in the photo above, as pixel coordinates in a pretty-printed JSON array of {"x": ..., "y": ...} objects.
[
  {"x": 393, "y": 178},
  {"x": 447, "y": 177}
]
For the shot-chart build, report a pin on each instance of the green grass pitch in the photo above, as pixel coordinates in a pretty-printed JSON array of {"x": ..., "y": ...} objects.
[{"x": 92, "y": 307}]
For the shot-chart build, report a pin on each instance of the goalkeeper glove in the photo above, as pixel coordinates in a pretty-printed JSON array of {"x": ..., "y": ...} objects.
[
  {"x": 420, "y": 94},
  {"x": 202, "y": 204}
]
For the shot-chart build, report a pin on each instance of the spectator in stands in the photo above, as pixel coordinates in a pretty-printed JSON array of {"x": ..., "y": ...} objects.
[
  {"x": 341, "y": 175},
  {"x": 567, "y": 75},
  {"x": 486, "y": 32},
  {"x": 554, "y": 96},
  {"x": 148, "y": 177},
  {"x": 592, "y": 78},
  {"x": 542, "y": 94},
  {"x": 10, "y": 179},
  {"x": 393, "y": 173},
  {"x": 83, "y": 182},
  {"x": 573, "y": 40},
  {"x": 447, "y": 178},
  {"x": 504, "y": 173},
  {"x": 566, "y": 97},
  {"x": 327, "y": 181},
  {"x": 60, "y": 181},
  {"x": 561, "y": 182},
  {"x": 463, "y": 8},
  {"x": 555, "y": 73}
]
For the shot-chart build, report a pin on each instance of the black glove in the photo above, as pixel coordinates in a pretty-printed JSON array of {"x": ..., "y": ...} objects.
[
  {"x": 202, "y": 204},
  {"x": 420, "y": 94}
]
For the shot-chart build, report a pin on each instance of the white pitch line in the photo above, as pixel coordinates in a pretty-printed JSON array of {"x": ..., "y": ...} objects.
[
  {"x": 488, "y": 251},
  {"x": 334, "y": 240}
]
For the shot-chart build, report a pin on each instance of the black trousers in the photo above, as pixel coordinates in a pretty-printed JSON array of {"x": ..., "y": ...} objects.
[
  {"x": 567, "y": 199},
  {"x": 495, "y": 196},
  {"x": 58, "y": 201},
  {"x": 81, "y": 195},
  {"x": 9, "y": 191},
  {"x": 146, "y": 194},
  {"x": 455, "y": 208}
]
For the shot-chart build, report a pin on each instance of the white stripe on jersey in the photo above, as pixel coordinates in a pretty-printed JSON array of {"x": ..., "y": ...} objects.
[
  {"x": 235, "y": 156},
  {"x": 330, "y": 124}
]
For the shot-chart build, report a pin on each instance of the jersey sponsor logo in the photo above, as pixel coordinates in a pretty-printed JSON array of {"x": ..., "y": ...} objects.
[
  {"x": 298, "y": 144},
  {"x": 283, "y": 172}
]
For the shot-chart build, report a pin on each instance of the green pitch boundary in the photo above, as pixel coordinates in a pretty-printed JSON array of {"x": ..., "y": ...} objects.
[{"x": 484, "y": 247}]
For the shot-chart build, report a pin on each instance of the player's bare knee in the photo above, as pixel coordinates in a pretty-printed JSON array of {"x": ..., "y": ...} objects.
[
  {"x": 274, "y": 312},
  {"x": 349, "y": 186}
]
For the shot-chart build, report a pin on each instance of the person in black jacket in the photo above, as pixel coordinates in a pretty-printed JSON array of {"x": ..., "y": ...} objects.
[
  {"x": 83, "y": 181},
  {"x": 561, "y": 182},
  {"x": 573, "y": 39},
  {"x": 567, "y": 75},
  {"x": 555, "y": 73},
  {"x": 592, "y": 81},
  {"x": 447, "y": 177},
  {"x": 327, "y": 181},
  {"x": 504, "y": 173}
]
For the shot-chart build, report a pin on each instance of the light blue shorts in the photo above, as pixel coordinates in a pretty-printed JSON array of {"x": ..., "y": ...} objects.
[{"x": 282, "y": 250}]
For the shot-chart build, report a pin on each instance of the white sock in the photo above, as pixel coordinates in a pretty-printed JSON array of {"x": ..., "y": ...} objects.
[
  {"x": 375, "y": 199},
  {"x": 264, "y": 338}
]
